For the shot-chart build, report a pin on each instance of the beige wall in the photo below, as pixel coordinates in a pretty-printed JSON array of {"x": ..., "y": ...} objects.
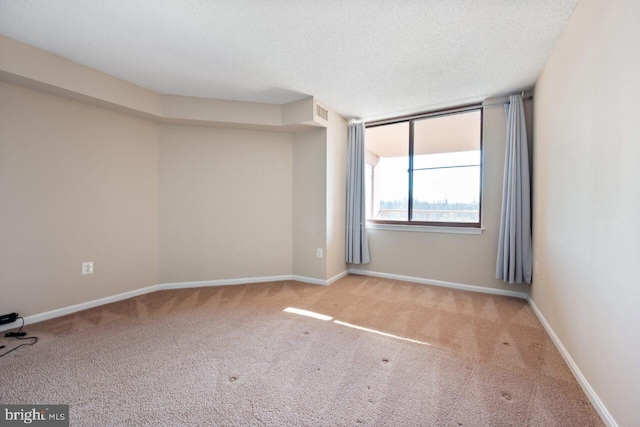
[
  {"x": 587, "y": 199},
  {"x": 216, "y": 203},
  {"x": 225, "y": 204},
  {"x": 337, "y": 138},
  {"x": 309, "y": 203},
  {"x": 77, "y": 183},
  {"x": 147, "y": 203},
  {"x": 457, "y": 258}
]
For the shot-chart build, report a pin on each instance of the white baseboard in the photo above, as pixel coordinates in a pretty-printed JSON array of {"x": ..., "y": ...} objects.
[
  {"x": 461, "y": 286},
  {"x": 310, "y": 280},
  {"x": 336, "y": 277},
  {"x": 34, "y": 318},
  {"x": 163, "y": 286},
  {"x": 597, "y": 403},
  {"x": 222, "y": 282},
  {"x": 322, "y": 282}
]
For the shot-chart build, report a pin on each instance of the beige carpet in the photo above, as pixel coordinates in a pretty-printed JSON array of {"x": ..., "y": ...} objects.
[{"x": 231, "y": 356}]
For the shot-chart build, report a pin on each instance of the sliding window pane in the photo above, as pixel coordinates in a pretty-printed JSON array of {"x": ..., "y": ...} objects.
[
  {"x": 387, "y": 156},
  {"x": 446, "y": 168}
]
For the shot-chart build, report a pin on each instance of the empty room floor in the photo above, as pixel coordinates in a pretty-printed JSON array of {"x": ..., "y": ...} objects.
[{"x": 363, "y": 351}]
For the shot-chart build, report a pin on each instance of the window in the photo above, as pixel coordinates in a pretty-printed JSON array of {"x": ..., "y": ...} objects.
[{"x": 425, "y": 169}]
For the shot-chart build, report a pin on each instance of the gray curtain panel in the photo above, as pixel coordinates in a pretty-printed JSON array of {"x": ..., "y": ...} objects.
[
  {"x": 514, "y": 247},
  {"x": 357, "y": 244}
]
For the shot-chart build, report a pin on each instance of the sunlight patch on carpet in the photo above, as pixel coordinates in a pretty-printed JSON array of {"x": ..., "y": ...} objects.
[
  {"x": 384, "y": 334},
  {"x": 307, "y": 313},
  {"x": 319, "y": 316}
]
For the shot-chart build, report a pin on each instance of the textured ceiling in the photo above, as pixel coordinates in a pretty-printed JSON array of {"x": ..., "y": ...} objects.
[{"x": 365, "y": 59}]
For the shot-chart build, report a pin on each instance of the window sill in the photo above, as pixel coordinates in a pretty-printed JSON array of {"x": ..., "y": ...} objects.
[{"x": 425, "y": 228}]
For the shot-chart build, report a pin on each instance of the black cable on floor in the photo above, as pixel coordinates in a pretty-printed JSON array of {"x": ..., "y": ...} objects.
[{"x": 35, "y": 340}]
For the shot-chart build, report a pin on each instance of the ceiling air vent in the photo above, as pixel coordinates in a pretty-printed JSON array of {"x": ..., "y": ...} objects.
[{"x": 322, "y": 112}]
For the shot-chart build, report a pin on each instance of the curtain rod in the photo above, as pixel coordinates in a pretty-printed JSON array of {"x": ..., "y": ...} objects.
[
  {"x": 524, "y": 98},
  {"x": 409, "y": 117},
  {"x": 443, "y": 112}
]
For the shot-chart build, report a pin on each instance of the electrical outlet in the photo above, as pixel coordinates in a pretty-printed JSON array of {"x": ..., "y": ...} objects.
[
  {"x": 87, "y": 267},
  {"x": 319, "y": 253},
  {"x": 535, "y": 267}
]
